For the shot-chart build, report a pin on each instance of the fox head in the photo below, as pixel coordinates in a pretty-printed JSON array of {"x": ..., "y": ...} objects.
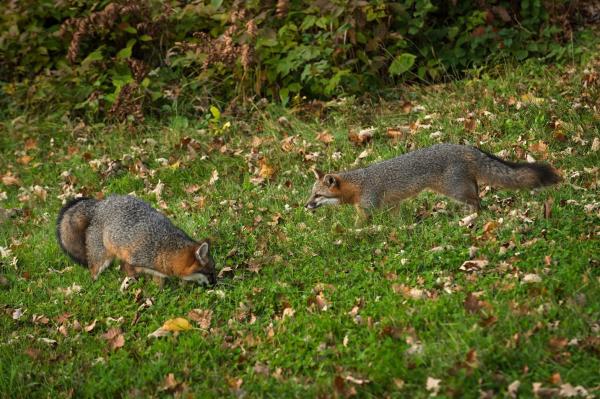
[
  {"x": 203, "y": 268},
  {"x": 327, "y": 190}
]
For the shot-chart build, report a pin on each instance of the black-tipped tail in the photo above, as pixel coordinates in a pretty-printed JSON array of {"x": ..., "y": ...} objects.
[
  {"x": 71, "y": 224},
  {"x": 503, "y": 173}
]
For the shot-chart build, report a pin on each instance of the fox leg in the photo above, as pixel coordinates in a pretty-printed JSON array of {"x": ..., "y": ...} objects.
[
  {"x": 128, "y": 269},
  {"x": 98, "y": 257},
  {"x": 362, "y": 215},
  {"x": 462, "y": 188}
]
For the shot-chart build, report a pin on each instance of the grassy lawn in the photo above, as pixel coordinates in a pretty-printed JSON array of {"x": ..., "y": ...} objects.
[{"x": 307, "y": 304}]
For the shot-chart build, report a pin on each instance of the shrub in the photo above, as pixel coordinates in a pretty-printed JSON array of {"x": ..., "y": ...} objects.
[{"x": 123, "y": 59}]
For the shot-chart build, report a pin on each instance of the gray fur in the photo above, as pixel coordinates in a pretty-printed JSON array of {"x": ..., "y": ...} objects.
[
  {"x": 122, "y": 222},
  {"x": 450, "y": 169}
]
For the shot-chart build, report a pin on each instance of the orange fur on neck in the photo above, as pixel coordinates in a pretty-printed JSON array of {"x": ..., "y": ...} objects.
[{"x": 349, "y": 193}]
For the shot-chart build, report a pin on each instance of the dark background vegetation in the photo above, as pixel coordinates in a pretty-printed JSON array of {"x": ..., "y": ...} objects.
[{"x": 128, "y": 59}]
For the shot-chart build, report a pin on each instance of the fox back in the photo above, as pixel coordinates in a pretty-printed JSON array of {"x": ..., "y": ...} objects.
[
  {"x": 129, "y": 229},
  {"x": 450, "y": 169}
]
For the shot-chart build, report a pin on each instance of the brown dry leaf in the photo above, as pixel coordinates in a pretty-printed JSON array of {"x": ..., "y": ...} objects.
[
  {"x": 362, "y": 137},
  {"x": 470, "y": 124},
  {"x": 488, "y": 229},
  {"x": 540, "y": 148},
  {"x": 90, "y": 326},
  {"x": 33, "y": 353},
  {"x": 235, "y": 383},
  {"x": 557, "y": 343},
  {"x": 171, "y": 385},
  {"x": 471, "y": 359},
  {"x": 531, "y": 278},
  {"x": 468, "y": 220},
  {"x": 115, "y": 338},
  {"x": 24, "y": 160},
  {"x": 474, "y": 265},
  {"x": 261, "y": 368},
  {"x": 409, "y": 292},
  {"x": 357, "y": 381},
  {"x": 321, "y": 302},
  {"x": 201, "y": 316},
  {"x": 192, "y": 189},
  {"x": 569, "y": 391},
  {"x": 433, "y": 386},
  {"x": 288, "y": 312},
  {"x": 472, "y": 303},
  {"x": 265, "y": 171},
  {"x": 513, "y": 389},
  {"x": 395, "y": 133},
  {"x": 325, "y": 137},
  {"x": 30, "y": 144},
  {"x": 214, "y": 176},
  {"x": 11, "y": 180},
  {"x": 39, "y": 319},
  {"x": 365, "y": 153},
  {"x": 407, "y": 107},
  {"x": 555, "y": 379}
]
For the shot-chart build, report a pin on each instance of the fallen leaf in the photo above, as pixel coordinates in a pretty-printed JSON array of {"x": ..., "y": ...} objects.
[
  {"x": 261, "y": 368},
  {"x": 48, "y": 341},
  {"x": 531, "y": 278},
  {"x": 433, "y": 386},
  {"x": 288, "y": 312},
  {"x": 201, "y": 316},
  {"x": 115, "y": 338},
  {"x": 24, "y": 160},
  {"x": 90, "y": 326},
  {"x": 395, "y": 133},
  {"x": 17, "y": 314},
  {"x": 473, "y": 265},
  {"x": 265, "y": 171},
  {"x": 33, "y": 353},
  {"x": 365, "y": 153},
  {"x": 467, "y": 220},
  {"x": 539, "y": 148},
  {"x": 171, "y": 385},
  {"x": 472, "y": 303},
  {"x": 557, "y": 343},
  {"x": 325, "y": 137},
  {"x": 214, "y": 176},
  {"x": 39, "y": 319},
  {"x": 177, "y": 324},
  {"x": 513, "y": 388},
  {"x": 357, "y": 381},
  {"x": 11, "y": 180},
  {"x": 569, "y": 391},
  {"x": 362, "y": 137}
]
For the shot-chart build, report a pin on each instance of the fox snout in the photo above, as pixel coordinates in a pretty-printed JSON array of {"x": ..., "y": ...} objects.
[{"x": 311, "y": 205}]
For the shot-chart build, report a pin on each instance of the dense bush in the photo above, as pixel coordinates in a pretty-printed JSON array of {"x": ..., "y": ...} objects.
[{"x": 123, "y": 59}]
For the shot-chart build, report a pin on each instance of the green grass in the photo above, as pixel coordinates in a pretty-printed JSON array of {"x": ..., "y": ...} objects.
[{"x": 281, "y": 257}]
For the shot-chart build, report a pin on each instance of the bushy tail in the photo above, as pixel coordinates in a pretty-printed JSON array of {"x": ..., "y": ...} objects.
[
  {"x": 499, "y": 172},
  {"x": 71, "y": 225}
]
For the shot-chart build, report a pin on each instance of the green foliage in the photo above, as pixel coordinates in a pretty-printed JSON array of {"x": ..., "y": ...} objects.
[{"x": 124, "y": 59}]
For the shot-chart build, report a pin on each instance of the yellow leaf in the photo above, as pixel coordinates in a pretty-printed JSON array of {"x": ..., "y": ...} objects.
[{"x": 177, "y": 324}]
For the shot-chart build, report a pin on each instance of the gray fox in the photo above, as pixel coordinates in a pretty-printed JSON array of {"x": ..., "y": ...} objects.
[
  {"x": 450, "y": 169},
  {"x": 94, "y": 232}
]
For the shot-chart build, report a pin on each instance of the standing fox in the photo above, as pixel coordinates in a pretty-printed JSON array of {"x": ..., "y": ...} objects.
[
  {"x": 449, "y": 169},
  {"x": 94, "y": 232}
]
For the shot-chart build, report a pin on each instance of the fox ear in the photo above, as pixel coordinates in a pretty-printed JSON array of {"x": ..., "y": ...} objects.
[
  {"x": 331, "y": 180},
  {"x": 318, "y": 174},
  {"x": 202, "y": 252}
]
